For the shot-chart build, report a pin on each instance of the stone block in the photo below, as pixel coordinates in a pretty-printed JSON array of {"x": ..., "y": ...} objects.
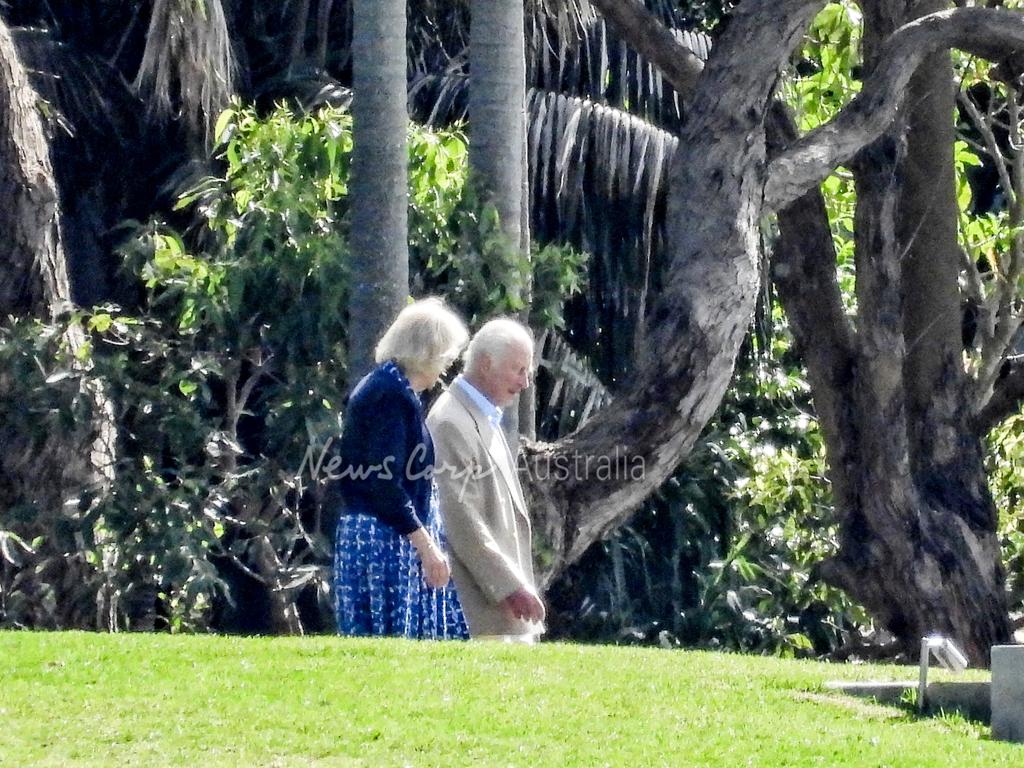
[{"x": 1008, "y": 692}]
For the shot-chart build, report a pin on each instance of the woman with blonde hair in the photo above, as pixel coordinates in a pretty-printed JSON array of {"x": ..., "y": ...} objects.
[{"x": 391, "y": 574}]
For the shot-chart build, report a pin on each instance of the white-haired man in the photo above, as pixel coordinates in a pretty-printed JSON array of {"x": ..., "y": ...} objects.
[{"x": 482, "y": 503}]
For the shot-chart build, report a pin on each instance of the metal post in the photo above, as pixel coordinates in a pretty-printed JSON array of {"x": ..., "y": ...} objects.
[{"x": 922, "y": 681}]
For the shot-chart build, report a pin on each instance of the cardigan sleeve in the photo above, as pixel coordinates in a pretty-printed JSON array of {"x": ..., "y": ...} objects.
[{"x": 375, "y": 454}]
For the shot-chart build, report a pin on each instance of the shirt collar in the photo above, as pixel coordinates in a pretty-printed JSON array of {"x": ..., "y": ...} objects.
[{"x": 490, "y": 410}]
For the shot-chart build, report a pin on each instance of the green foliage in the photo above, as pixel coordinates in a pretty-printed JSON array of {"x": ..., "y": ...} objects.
[
  {"x": 559, "y": 274},
  {"x": 226, "y": 379},
  {"x": 456, "y": 241},
  {"x": 438, "y": 163},
  {"x": 784, "y": 524},
  {"x": 724, "y": 555},
  {"x": 1005, "y": 465},
  {"x": 481, "y": 272},
  {"x": 229, "y": 370},
  {"x": 236, "y": 364},
  {"x": 841, "y": 204},
  {"x": 232, "y": 365},
  {"x": 825, "y": 77}
]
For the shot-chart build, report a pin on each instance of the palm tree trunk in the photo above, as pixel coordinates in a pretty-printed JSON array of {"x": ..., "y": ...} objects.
[
  {"x": 380, "y": 255},
  {"x": 497, "y": 109},
  {"x": 33, "y": 271},
  {"x": 41, "y": 471},
  {"x": 497, "y": 146}
]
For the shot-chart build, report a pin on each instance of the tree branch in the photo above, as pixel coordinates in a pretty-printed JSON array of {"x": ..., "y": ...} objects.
[
  {"x": 991, "y": 33},
  {"x": 696, "y": 326},
  {"x": 1007, "y": 396},
  {"x": 803, "y": 264},
  {"x": 645, "y": 34}
]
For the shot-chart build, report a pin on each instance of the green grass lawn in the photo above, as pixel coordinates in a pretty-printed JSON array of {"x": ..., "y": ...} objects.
[{"x": 84, "y": 699}]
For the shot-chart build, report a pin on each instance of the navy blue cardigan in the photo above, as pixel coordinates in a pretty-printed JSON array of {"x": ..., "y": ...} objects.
[{"x": 386, "y": 452}]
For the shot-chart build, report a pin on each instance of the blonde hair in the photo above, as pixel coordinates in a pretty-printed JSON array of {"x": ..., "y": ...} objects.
[
  {"x": 424, "y": 337},
  {"x": 495, "y": 339}
]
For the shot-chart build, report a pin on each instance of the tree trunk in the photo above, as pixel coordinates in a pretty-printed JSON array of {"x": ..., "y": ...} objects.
[
  {"x": 284, "y": 613},
  {"x": 297, "y": 52},
  {"x": 586, "y": 485},
  {"x": 527, "y": 411},
  {"x": 927, "y": 232},
  {"x": 917, "y": 527},
  {"x": 323, "y": 33},
  {"x": 33, "y": 272},
  {"x": 45, "y": 472},
  {"x": 920, "y": 554},
  {"x": 380, "y": 158},
  {"x": 497, "y": 119}
]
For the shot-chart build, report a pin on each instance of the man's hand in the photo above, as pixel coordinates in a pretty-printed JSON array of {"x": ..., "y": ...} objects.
[{"x": 525, "y": 605}]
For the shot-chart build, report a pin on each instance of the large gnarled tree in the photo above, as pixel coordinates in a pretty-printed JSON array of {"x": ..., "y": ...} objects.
[{"x": 917, "y": 539}]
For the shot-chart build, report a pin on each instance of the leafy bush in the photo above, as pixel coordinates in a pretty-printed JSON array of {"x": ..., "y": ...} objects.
[
  {"x": 1005, "y": 466},
  {"x": 723, "y": 555},
  {"x": 226, "y": 383},
  {"x": 231, "y": 365},
  {"x": 474, "y": 265}
]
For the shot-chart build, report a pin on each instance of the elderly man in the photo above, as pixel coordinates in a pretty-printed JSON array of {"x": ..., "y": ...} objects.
[{"x": 482, "y": 502}]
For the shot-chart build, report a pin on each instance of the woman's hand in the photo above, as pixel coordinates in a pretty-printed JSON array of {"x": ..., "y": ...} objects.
[{"x": 436, "y": 570}]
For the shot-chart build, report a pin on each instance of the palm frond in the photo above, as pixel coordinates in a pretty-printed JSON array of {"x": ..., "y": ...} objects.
[
  {"x": 561, "y": 21},
  {"x": 598, "y": 181},
  {"x": 570, "y": 50},
  {"x": 440, "y": 99},
  {"x": 84, "y": 94},
  {"x": 597, "y": 64},
  {"x": 570, "y": 392},
  {"x": 309, "y": 87},
  {"x": 438, "y": 35},
  {"x": 188, "y": 65}
]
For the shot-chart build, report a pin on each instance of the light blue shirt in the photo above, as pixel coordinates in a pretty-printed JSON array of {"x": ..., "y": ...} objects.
[{"x": 490, "y": 410}]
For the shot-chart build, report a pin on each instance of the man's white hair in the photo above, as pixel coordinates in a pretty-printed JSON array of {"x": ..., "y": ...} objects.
[
  {"x": 426, "y": 336},
  {"x": 495, "y": 339}
]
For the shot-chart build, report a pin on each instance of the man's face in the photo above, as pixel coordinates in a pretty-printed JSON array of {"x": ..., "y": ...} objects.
[{"x": 503, "y": 378}]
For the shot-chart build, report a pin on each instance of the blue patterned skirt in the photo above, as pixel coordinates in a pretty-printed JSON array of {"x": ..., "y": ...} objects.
[{"x": 379, "y": 587}]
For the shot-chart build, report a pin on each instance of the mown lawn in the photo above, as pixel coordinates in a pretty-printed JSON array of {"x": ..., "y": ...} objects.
[{"x": 83, "y": 699}]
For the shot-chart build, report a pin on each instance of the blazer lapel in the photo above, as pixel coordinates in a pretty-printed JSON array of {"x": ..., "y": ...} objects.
[{"x": 496, "y": 446}]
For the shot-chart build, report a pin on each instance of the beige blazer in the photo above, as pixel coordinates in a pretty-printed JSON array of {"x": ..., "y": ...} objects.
[{"x": 484, "y": 513}]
